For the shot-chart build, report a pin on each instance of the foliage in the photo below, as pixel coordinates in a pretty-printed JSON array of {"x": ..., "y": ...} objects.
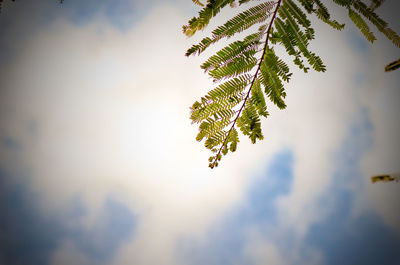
[
  {"x": 392, "y": 66},
  {"x": 249, "y": 72},
  {"x": 385, "y": 178}
]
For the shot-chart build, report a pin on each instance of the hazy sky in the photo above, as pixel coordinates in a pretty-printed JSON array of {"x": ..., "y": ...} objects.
[{"x": 99, "y": 163}]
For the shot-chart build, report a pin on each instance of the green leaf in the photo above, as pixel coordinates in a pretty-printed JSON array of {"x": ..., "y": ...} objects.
[
  {"x": 393, "y": 36},
  {"x": 237, "y": 66},
  {"x": 233, "y": 139},
  {"x": 284, "y": 37},
  {"x": 229, "y": 89},
  {"x": 360, "y": 23},
  {"x": 209, "y": 11},
  {"x": 301, "y": 41},
  {"x": 215, "y": 140},
  {"x": 375, "y": 4},
  {"x": 277, "y": 65},
  {"x": 297, "y": 13},
  {"x": 369, "y": 14},
  {"x": 321, "y": 11},
  {"x": 210, "y": 127},
  {"x": 308, "y": 5},
  {"x": 198, "y": 2},
  {"x": 379, "y": 23},
  {"x": 392, "y": 66},
  {"x": 273, "y": 85},
  {"x": 239, "y": 23},
  {"x": 233, "y": 50},
  {"x": 249, "y": 122},
  {"x": 257, "y": 98},
  {"x": 323, "y": 14}
]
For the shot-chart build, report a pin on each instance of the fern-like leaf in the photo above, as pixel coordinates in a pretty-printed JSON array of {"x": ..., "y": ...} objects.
[
  {"x": 209, "y": 127},
  {"x": 301, "y": 40},
  {"x": 393, "y": 36},
  {"x": 237, "y": 24},
  {"x": 249, "y": 122},
  {"x": 198, "y": 2},
  {"x": 284, "y": 37},
  {"x": 375, "y": 4},
  {"x": 233, "y": 50},
  {"x": 237, "y": 66},
  {"x": 308, "y": 5},
  {"x": 257, "y": 98},
  {"x": 220, "y": 109},
  {"x": 323, "y": 14},
  {"x": 228, "y": 90},
  {"x": 273, "y": 85},
  {"x": 392, "y": 66},
  {"x": 360, "y": 23},
  {"x": 369, "y": 14},
  {"x": 205, "y": 15},
  {"x": 297, "y": 13}
]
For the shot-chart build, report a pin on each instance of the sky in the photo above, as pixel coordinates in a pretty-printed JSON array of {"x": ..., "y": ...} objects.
[{"x": 99, "y": 162}]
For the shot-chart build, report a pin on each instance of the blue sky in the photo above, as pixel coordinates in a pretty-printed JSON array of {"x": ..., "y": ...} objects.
[{"x": 100, "y": 164}]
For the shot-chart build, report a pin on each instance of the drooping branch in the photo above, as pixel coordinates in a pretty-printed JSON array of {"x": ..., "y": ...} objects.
[
  {"x": 218, "y": 155},
  {"x": 239, "y": 102}
]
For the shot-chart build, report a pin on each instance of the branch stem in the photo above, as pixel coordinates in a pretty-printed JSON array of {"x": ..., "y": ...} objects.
[{"x": 251, "y": 84}]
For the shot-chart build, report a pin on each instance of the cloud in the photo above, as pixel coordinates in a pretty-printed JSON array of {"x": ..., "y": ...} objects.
[
  {"x": 68, "y": 253},
  {"x": 261, "y": 252},
  {"x": 234, "y": 238},
  {"x": 37, "y": 240},
  {"x": 30, "y": 235},
  {"x": 358, "y": 235}
]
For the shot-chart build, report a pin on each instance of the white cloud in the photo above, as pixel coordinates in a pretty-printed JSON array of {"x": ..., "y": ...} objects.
[
  {"x": 68, "y": 254},
  {"x": 262, "y": 252},
  {"x": 100, "y": 112}
]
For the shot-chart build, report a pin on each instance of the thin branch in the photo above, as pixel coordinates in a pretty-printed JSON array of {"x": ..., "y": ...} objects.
[{"x": 252, "y": 83}]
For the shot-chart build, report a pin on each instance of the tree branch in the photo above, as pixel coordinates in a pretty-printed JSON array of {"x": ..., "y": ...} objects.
[{"x": 213, "y": 163}]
